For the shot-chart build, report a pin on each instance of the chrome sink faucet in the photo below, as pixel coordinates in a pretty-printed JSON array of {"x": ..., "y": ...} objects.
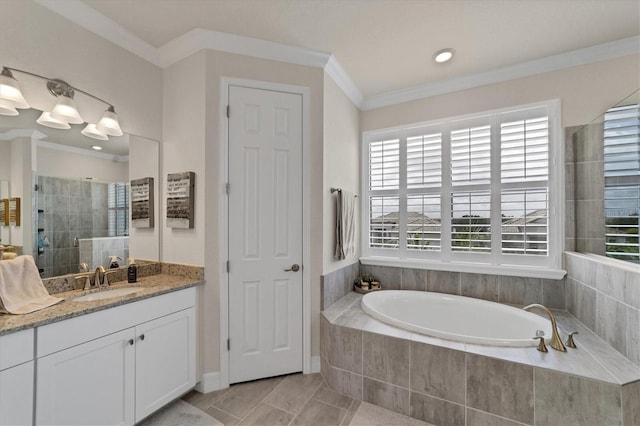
[{"x": 556, "y": 342}]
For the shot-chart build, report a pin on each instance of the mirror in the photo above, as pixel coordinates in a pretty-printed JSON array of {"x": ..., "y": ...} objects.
[
  {"x": 607, "y": 182},
  {"x": 75, "y": 199}
]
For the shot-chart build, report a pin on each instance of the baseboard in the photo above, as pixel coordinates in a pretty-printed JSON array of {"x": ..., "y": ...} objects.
[
  {"x": 315, "y": 364},
  {"x": 209, "y": 382}
]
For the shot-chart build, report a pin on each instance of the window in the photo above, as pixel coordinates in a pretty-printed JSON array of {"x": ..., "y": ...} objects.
[
  {"x": 472, "y": 189},
  {"x": 118, "y": 206},
  {"x": 622, "y": 182}
]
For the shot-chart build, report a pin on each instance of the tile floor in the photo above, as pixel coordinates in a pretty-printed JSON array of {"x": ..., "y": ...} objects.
[{"x": 295, "y": 399}]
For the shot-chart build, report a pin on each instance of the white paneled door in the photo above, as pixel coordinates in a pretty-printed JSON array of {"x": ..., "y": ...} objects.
[{"x": 265, "y": 233}]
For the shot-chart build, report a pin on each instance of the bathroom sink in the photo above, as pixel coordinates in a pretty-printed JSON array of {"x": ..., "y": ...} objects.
[{"x": 107, "y": 294}]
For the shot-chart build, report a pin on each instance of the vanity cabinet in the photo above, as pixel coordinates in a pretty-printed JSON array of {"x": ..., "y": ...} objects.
[
  {"x": 16, "y": 378},
  {"x": 139, "y": 357}
]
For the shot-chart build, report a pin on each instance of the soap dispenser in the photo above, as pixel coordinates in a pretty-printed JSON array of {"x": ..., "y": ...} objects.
[
  {"x": 132, "y": 271},
  {"x": 113, "y": 262}
]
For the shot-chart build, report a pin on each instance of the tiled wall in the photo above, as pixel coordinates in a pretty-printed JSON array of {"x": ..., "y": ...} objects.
[
  {"x": 588, "y": 184},
  {"x": 604, "y": 295},
  {"x": 446, "y": 386},
  {"x": 69, "y": 208},
  {"x": 503, "y": 289},
  {"x": 336, "y": 284},
  {"x": 497, "y": 288},
  {"x": 96, "y": 251}
]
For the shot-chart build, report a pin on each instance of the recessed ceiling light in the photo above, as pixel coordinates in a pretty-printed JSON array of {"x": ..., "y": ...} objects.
[
  {"x": 443, "y": 55},
  {"x": 97, "y": 147}
]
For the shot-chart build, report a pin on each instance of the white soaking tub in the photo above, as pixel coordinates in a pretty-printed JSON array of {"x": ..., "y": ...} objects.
[{"x": 458, "y": 318}]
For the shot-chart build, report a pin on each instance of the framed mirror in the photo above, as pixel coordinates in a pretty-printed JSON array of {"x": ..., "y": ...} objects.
[{"x": 74, "y": 190}]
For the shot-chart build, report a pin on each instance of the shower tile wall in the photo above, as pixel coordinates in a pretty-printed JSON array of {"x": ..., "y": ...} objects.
[
  {"x": 96, "y": 251},
  {"x": 69, "y": 208}
]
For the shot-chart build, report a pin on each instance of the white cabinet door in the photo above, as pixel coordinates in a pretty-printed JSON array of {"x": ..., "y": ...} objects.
[
  {"x": 165, "y": 360},
  {"x": 16, "y": 395},
  {"x": 89, "y": 384}
]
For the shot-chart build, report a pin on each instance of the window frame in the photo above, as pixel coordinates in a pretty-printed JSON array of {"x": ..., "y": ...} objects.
[{"x": 543, "y": 266}]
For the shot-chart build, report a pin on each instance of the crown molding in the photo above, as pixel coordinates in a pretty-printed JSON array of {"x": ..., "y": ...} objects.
[
  {"x": 12, "y": 134},
  {"x": 198, "y": 39},
  {"x": 80, "y": 151},
  {"x": 344, "y": 82},
  {"x": 587, "y": 55},
  {"x": 90, "y": 19}
]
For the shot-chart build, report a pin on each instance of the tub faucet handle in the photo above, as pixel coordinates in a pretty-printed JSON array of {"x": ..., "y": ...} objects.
[
  {"x": 570, "y": 343},
  {"x": 541, "y": 346}
]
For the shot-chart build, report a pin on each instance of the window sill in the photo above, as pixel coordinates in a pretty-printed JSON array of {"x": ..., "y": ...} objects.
[{"x": 468, "y": 267}]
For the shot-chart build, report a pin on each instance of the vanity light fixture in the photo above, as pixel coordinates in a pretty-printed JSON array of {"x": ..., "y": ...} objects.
[
  {"x": 444, "y": 55},
  {"x": 64, "y": 113},
  {"x": 92, "y": 131}
]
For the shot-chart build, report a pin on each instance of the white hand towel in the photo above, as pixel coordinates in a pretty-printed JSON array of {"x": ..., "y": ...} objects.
[
  {"x": 21, "y": 288},
  {"x": 345, "y": 224}
]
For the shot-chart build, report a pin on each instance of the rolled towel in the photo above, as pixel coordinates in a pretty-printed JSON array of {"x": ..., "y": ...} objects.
[
  {"x": 7, "y": 255},
  {"x": 21, "y": 288}
]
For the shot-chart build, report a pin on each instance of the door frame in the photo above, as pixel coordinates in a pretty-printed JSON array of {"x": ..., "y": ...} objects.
[{"x": 223, "y": 215}]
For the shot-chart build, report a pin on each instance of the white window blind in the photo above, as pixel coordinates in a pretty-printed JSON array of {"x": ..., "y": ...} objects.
[
  {"x": 473, "y": 188},
  {"x": 622, "y": 182},
  {"x": 118, "y": 206}
]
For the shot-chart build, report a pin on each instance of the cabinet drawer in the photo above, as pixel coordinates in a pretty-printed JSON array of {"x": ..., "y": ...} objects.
[{"x": 16, "y": 348}]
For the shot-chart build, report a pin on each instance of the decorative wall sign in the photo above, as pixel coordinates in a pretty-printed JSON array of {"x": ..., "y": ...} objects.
[
  {"x": 180, "y": 199},
  {"x": 142, "y": 203},
  {"x": 14, "y": 211},
  {"x": 4, "y": 212}
]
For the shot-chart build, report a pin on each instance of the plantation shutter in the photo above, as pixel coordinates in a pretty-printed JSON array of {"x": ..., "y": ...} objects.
[
  {"x": 470, "y": 189},
  {"x": 622, "y": 182},
  {"x": 524, "y": 174},
  {"x": 118, "y": 204},
  {"x": 384, "y": 184}
]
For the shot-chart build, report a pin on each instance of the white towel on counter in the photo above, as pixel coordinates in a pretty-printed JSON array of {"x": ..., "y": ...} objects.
[
  {"x": 345, "y": 224},
  {"x": 21, "y": 288}
]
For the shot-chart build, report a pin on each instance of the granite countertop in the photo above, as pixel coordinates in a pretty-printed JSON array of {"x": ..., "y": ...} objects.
[
  {"x": 594, "y": 358},
  {"x": 152, "y": 285}
]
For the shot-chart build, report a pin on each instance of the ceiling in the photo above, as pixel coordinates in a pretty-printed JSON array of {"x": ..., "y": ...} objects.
[{"x": 387, "y": 45}]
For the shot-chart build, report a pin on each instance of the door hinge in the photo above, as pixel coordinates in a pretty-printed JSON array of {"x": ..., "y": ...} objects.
[
  {"x": 227, "y": 187},
  {"x": 228, "y": 267},
  {"x": 228, "y": 344},
  {"x": 228, "y": 109}
]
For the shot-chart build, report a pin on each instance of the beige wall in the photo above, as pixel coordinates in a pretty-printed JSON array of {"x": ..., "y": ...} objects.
[
  {"x": 341, "y": 166},
  {"x": 40, "y": 41},
  {"x": 192, "y": 143},
  {"x": 586, "y": 91}
]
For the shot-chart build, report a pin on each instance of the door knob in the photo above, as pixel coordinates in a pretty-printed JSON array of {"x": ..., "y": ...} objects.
[{"x": 295, "y": 268}]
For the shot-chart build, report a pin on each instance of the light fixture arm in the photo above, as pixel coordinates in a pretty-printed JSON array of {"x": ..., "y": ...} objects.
[{"x": 56, "y": 86}]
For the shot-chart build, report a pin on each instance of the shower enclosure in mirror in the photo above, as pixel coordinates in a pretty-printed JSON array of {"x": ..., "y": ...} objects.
[
  {"x": 75, "y": 199},
  {"x": 607, "y": 182}
]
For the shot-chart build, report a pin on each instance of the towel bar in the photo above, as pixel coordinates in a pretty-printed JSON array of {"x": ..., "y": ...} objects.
[{"x": 340, "y": 190}]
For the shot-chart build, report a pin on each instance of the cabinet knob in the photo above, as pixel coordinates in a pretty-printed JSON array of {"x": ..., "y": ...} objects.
[
  {"x": 131, "y": 342},
  {"x": 142, "y": 337}
]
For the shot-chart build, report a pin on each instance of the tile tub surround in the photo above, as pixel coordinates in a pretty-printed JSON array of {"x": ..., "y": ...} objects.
[
  {"x": 496, "y": 288},
  {"x": 334, "y": 285},
  {"x": 447, "y": 382},
  {"x": 152, "y": 285},
  {"x": 604, "y": 294}
]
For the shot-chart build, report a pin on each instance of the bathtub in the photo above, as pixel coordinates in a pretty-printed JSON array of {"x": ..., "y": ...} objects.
[{"x": 458, "y": 318}]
